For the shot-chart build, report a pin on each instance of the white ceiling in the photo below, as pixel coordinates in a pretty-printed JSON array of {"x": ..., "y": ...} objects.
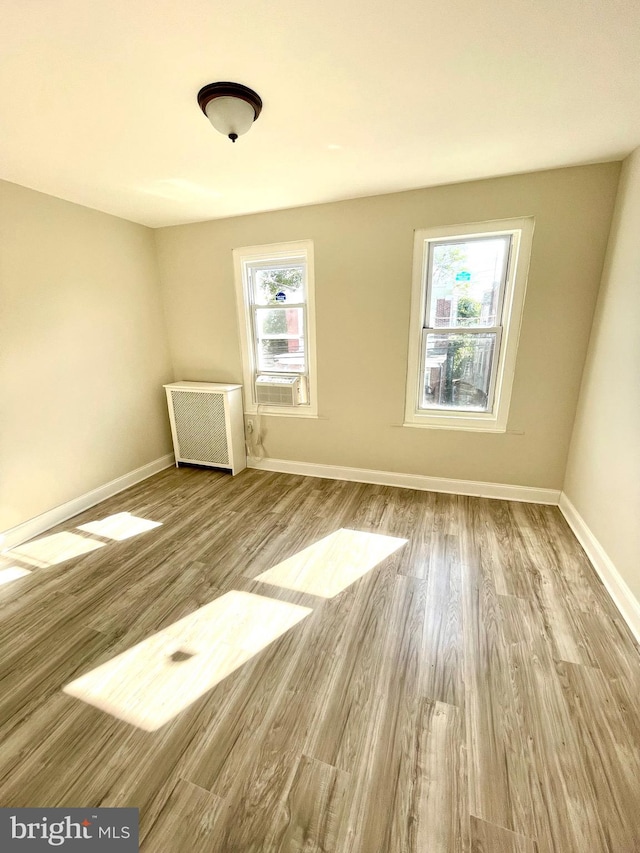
[{"x": 98, "y": 97}]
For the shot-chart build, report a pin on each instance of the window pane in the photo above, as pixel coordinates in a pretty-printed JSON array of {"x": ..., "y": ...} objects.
[
  {"x": 457, "y": 372},
  {"x": 279, "y": 286},
  {"x": 281, "y": 356},
  {"x": 280, "y": 340},
  {"x": 466, "y": 280}
]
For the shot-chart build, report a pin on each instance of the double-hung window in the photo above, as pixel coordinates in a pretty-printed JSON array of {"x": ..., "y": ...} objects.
[
  {"x": 275, "y": 297},
  {"x": 468, "y": 293}
]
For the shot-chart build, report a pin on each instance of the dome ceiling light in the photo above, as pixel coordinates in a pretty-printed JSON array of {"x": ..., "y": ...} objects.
[{"x": 230, "y": 107}]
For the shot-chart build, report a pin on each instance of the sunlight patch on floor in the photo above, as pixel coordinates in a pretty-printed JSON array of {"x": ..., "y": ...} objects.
[
  {"x": 331, "y": 565},
  {"x": 12, "y": 573},
  {"x": 151, "y": 683},
  {"x": 120, "y": 526},
  {"x": 53, "y": 549}
]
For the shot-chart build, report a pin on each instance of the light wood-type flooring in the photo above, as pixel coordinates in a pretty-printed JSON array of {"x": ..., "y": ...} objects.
[{"x": 474, "y": 690}]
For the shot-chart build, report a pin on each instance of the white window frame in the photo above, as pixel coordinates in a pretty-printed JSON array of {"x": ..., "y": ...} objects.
[
  {"x": 507, "y": 330},
  {"x": 243, "y": 258}
]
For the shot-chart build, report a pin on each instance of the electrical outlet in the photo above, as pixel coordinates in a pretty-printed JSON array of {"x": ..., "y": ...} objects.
[{"x": 249, "y": 426}]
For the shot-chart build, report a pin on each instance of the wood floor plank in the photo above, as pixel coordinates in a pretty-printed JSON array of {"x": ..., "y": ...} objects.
[
  {"x": 185, "y": 823},
  {"x": 255, "y": 815},
  {"x": 442, "y": 824},
  {"x": 499, "y": 789},
  {"x": 553, "y": 545},
  {"x": 521, "y": 621},
  {"x": 23, "y": 745},
  {"x": 51, "y": 768},
  {"x": 561, "y": 622},
  {"x": 27, "y": 682},
  {"x": 446, "y": 512},
  {"x": 563, "y": 800},
  {"x": 610, "y": 753},
  {"x": 489, "y": 838},
  {"x": 492, "y": 537},
  {"x": 315, "y": 808},
  {"x": 442, "y": 657},
  {"x": 381, "y": 813},
  {"x": 419, "y": 779},
  {"x": 515, "y": 569},
  {"x": 351, "y": 704}
]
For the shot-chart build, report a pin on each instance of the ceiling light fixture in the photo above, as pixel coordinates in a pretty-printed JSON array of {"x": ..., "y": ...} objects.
[{"x": 230, "y": 107}]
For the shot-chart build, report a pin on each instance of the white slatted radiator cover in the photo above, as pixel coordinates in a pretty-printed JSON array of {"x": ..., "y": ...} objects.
[
  {"x": 201, "y": 427},
  {"x": 207, "y": 424}
]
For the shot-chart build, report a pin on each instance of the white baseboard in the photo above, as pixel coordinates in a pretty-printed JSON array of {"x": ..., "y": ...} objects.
[
  {"x": 501, "y": 491},
  {"x": 35, "y": 526},
  {"x": 623, "y": 598}
]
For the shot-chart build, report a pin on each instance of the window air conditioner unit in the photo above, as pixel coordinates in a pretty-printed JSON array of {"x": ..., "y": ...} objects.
[{"x": 278, "y": 390}]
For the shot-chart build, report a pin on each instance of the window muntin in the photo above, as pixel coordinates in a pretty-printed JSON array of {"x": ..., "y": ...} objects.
[
  {"x": 274, "y": 287},
  {"x": 468, "y": 294}
]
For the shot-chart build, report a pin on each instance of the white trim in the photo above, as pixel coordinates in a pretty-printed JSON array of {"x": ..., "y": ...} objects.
[
  {"x": 469, "y": 426},
  {"x": 616, "y": 586},
  {"x": 35, "y": 526},
  {"x": 275, "y": 251},
  {"x": 503, "y": 371},
  {"x": 285, "y": 412},
  {"x": 501, "y": 491}
]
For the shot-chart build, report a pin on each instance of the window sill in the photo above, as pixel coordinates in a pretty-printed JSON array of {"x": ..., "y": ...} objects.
[
  {"x": 283, "y": 412},
  {"x": 468, "y": 426}
]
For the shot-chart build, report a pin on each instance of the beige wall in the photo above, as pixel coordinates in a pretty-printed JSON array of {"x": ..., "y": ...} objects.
[
  {"x": 83, "y": 352},
  {"x": 363, "y": 254},
  {"x": 603, "y": 473}
]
